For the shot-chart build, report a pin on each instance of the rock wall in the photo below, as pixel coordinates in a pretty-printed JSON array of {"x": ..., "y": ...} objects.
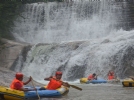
[
  {"x": 6, "y": 77},
  {"x": 10, "y": 51}
]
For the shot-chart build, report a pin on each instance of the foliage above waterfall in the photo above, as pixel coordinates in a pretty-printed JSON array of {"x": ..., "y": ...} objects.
[
  {"x": 33, "y": 1},
  {"x": 7, "y": 14}
]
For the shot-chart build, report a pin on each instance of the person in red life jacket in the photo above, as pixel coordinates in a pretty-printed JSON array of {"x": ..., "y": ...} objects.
[
  {"x": 111, "y": 75},
  {"x": 17, "y": 83},
  {"x": 55, "y": 81},
  {"x": 92, "y": 77}
]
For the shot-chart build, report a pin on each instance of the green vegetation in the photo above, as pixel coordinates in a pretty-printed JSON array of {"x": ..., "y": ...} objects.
[
  {"x": 7, "y": 15},
  {"x": 33, "y": 1}
]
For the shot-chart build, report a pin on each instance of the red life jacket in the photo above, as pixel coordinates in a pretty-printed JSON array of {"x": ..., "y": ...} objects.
[
  {"x": 90, "y": 77},
  {"x": 54, "y": 84},
  {"x": 110, "y": 76},
  {"x": 12, "y": 86}
]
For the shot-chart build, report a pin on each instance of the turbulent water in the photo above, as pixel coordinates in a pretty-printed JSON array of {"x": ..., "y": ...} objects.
[
  {"x": 98, "y": 92},
  {"x": 79, "y": 20},
  {"x": 78, "y": 38}
]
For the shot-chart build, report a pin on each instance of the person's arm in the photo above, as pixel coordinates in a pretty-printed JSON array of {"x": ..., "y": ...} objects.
[
  {"x": 48, "y": 78},
  {"x": 25, "y": 83},
  {"x": 65, "y": 84},
  {"x": 18, "y": 86},
  {"x": 95, "y": 78}
]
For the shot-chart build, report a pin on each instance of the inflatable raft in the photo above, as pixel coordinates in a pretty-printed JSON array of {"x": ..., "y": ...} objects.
[
  {"x": 11, "y": 94},
  {"x": 128, "y": 83},
  {"x": 86, "y": 81}
]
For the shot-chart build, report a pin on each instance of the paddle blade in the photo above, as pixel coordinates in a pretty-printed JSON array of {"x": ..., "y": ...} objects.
[{"x": 76, "y": 87}]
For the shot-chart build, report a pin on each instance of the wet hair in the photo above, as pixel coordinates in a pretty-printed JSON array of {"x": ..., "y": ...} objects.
[{"x": 94, "y": 74}]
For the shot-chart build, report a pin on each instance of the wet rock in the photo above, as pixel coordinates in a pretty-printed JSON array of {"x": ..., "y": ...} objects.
[
  {"x": 6, "y": 77},
  {"x": 124, "y": 62},
  {"x": 10, "y": 52}
]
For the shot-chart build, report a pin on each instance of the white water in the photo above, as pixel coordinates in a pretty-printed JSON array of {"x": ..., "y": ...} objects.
[
  {"x": 101, "y": 45},
  {"x": 90, "y": 56},
  {"x": 58, "y": 22}
]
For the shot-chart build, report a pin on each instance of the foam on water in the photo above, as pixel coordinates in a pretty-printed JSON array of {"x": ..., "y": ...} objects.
[
  {"x": 57, "y": 22},
  {"x": 95, "y": 25}
]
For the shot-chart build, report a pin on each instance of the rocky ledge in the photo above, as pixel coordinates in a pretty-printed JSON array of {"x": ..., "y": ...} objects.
[{"x": 9, "y": 52}]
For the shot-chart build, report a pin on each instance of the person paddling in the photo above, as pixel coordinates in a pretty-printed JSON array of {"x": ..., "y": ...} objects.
[
  {"x": 111, "y": 75},
  {"x": 17, "y": 83},
  {"x": 55, "y": 81},
  {"x": 92, "y": 77}
]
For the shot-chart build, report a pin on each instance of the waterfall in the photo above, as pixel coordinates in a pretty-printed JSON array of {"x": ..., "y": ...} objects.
[
  {"x": 78, "y": 38},
  {"x": 57, "y": 22}
]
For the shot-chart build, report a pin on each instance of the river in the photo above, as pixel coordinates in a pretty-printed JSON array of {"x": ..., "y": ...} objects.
[
  {"x": 98, "y": 92},
  {"x": 79, "y": 38}
]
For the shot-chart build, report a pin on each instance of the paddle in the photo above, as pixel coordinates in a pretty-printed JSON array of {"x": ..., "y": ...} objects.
[
  {"x": 34, "y": 87},
  {"x": 76, "y": 87},
  {"x": 94, "y": 78},
  {"x": 73, "y": 86}
]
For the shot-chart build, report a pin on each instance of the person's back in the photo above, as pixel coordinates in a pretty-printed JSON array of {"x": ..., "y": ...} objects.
[
  {"x": 55, "y": 82},
  {"x": 92, "y": 77},
  {"x": 17, "y": 83},
  {"x": 111, "y": 75}
]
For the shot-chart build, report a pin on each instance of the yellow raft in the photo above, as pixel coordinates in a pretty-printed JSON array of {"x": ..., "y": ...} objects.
[
  {"x": 128, "y": 83},
  {"x": 11, "y": 94},
  {"x": 86, "y": 81},
  {"x": 83, "y": 80}
]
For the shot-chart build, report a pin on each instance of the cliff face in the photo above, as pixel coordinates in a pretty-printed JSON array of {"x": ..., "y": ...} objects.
[
  {"x": 6, "y": 77},
  {"x": 9, "y": 53},
  {"x": 75, "y": 59}
]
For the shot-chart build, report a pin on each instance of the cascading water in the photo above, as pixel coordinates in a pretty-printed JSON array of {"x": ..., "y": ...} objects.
[
  {"x": 83, "y": 36},
  {"x": 57, "y": 22}
]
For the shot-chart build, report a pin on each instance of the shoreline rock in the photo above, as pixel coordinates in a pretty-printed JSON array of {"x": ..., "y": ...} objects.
[
  {"x": 6, "y": 77},
  {"x": 10, "y": 51}
]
